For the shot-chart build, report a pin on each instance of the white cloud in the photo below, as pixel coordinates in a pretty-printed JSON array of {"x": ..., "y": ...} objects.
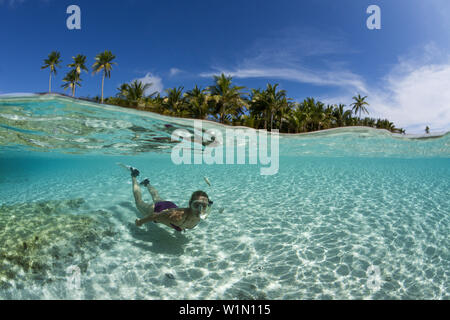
[
  {"x": 340, "y": 78},
  {"x": 415, "y": 96},
  {"x": 292, "y": 46},
  {"x": 174, "y": 71},
  {"x": 283, "y": 56},
  {"x": 156, "y": 82}
]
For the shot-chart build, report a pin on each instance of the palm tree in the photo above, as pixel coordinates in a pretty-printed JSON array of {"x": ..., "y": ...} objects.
[
  {"x": 103, "y": 61},
  {"x": 427, "y": 130},
  {"x": 135, "y": 92},
  {"x": 283, "y": 109},
  {"x": 257, "y": 106},
  {"x": 198, "y": 102},
  {"x": 72, "y": 80},
  {"x": 313, "y": 114},
  {"x": 248, "y": 121},
  {"x": 52, "y": 62},
  {"x": 318, "y": 116},
  {"x": 359, "y": 104},
  {"x": 269, "y": 103},
  {"x": 157, "y": 103},
  {"x": 385, "y": 124},
  {"x": 391, "y": 126},
  {"x": 341, "y": 116},
  {"x": 79, "y": 63},
  {"x": 274, "y": 100},
  {"x": 123, "y": 91},
  {"x": 297, "y": 119},
  {"x": 228, "y": 100},
  {"x": 175, "y": 102},
  {"x": 303, "y": 112},
  {"x": 329, "y": 120},
  {"x": 292, "y": 121}
]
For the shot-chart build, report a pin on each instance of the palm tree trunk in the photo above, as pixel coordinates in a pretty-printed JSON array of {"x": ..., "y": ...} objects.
[
  {"x": 50, "y": 83},
  {"x": 103, "y": 80},
  {"x": 271, "y": 121},
  {"x": 73, "y": 91},
  {"x": 266, "y": 121}
]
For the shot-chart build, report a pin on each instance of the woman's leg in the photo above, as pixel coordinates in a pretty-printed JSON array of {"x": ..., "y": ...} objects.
[
  {"x": 144, "y": 208},
  {"x": 153, "y": 192}
]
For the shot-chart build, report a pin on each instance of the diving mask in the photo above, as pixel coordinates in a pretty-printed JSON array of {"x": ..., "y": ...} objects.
[{"x": 203, "y": 207}]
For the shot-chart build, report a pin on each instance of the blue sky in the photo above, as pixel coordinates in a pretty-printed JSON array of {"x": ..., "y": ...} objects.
[{"x": 311, "y": 48}]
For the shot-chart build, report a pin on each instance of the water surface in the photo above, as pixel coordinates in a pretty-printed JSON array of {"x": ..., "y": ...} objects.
[{"x": 344, "y": 202}]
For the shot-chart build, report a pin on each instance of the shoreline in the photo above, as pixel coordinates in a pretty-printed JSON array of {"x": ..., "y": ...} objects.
[{"x": 359, "y": 129}]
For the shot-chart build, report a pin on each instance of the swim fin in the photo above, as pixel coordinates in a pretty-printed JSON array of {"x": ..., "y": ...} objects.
[{"x": 134, "y": 172}]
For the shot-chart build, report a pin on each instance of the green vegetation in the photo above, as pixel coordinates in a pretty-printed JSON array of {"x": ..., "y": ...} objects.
[
  {"x": 52, "y": 62},
  {"x": 268, "y": 108},
  {"x": 359, "y": 104},
  {"x": 72, "y": 79},
  {"x": 103, "y": 61},
  {"x": 79, "y": 63}
]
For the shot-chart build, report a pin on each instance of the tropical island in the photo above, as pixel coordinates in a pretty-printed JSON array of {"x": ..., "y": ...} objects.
[{"x": 222, "y": 101}]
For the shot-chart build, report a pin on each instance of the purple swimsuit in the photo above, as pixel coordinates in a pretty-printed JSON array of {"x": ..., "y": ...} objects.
[{"x": 164, "y": 205}]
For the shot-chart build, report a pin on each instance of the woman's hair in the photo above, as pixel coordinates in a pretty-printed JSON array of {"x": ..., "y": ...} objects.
[{"x": 196, "y": 195}]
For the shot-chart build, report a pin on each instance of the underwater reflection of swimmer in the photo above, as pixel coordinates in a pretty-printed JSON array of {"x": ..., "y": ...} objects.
[
  {"x": 211, "y": 143},
  {"x": 166, "y": 212},
  {"x": 195, "y": 138}
]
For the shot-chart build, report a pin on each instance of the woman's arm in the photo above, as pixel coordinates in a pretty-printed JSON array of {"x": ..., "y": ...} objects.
[
  {"x": 174, "y": 215},
  {"x": 150, "y": 217}
]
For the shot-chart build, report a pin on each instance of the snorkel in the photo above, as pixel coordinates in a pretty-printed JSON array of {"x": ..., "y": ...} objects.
[
  {"x": 207, "y": 210},
  {"x": 202, "y": 207},
  {"x": 200, "y": 204}
]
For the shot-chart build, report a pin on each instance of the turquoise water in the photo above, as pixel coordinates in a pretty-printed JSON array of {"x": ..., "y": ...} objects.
[{"x": 352, "y": 213}]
